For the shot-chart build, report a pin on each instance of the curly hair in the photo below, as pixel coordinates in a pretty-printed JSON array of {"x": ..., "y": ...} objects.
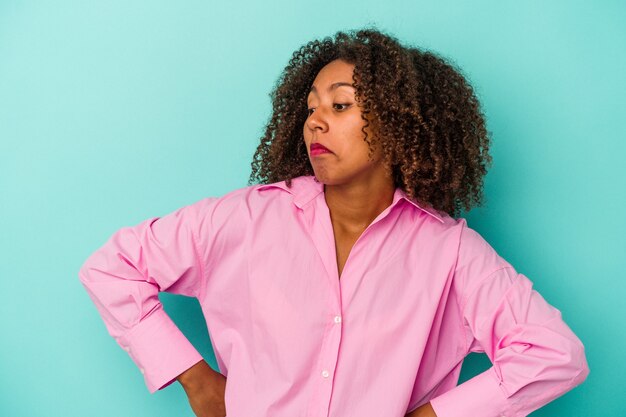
[{"x": 425, "y": 116}]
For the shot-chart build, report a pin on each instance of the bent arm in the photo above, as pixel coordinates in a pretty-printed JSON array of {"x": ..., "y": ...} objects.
[
  {"x": 125, "y": 275},
  {"x": 536, "y": 357}
]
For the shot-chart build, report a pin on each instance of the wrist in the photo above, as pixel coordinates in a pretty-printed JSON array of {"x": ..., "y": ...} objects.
[
  {"x": 195, "y": 376},
  {"x": 424, "y": 410},
  {"x": 427, "y": 411}
]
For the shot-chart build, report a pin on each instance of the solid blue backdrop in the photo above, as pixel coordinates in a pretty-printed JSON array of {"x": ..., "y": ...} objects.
[{"x": 113, "y": 112}]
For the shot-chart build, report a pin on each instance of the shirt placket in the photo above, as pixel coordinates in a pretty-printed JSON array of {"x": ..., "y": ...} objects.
[{"x": 321, "y": 231}]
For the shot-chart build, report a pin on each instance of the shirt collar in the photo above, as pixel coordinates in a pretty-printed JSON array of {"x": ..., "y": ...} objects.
[{"x": 305, "y": 188}]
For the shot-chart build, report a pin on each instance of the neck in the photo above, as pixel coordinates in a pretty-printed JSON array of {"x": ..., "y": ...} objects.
[{"x": 354, "y": 206}]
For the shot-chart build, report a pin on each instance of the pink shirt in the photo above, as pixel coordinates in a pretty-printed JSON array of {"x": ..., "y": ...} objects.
[{"x": 419, "y": 291}]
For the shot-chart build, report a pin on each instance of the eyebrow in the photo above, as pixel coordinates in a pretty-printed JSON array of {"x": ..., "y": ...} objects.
[{"x": 332, "y": 86}]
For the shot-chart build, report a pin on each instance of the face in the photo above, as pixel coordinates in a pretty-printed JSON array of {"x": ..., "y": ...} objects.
[{"x": 335, "y": 122}]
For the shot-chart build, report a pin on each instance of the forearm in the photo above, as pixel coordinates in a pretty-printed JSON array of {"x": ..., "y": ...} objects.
[
  {"x": 198, "y": 376},
  {"x": 205, "y": 389}
]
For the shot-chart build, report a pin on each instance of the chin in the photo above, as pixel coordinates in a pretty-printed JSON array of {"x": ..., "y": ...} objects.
[
  {"x": 324, "y": 179},
  {"x": 329, "y": 179}
]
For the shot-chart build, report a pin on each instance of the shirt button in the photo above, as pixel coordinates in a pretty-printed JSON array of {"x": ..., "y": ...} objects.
[
  {"x": 325, "y": 373},
  {"x": 142, "y": 370},
  {"x": 126, "y": 348},
  {"x": 337, "y": 319}
]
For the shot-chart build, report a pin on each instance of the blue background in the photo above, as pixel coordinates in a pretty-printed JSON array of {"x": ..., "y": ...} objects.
[{"x": 112, "y": 112}]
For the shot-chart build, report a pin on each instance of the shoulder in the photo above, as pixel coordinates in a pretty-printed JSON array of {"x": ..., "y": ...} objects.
[
  {"x": 477, "y": 253},
  {"x": 470, "y": 244},
  {"x": 473, "y": 255},
  {"x": 437, "y": 228},
  {"x": 242, "y": 204},
  {"x": 478, "y": 263}
]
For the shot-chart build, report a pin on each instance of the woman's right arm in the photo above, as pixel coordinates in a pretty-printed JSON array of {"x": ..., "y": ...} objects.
[
  {"x": 123, "y": 279},
  {"x": 205, "y": 389}
]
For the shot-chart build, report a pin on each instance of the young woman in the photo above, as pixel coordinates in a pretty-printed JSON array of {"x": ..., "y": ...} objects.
[{"x": 340, "y": 282}]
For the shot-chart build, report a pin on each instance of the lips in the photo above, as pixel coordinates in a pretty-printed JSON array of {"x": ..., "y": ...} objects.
[{"x": 319, "y": 147}]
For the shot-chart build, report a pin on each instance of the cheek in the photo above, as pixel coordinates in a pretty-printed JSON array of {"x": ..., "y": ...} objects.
[
  {"x": 306, "y": 137},
  {"x": 358, "y": 136}
]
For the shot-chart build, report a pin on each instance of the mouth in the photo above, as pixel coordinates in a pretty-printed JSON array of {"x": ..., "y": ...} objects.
[{"x": 319, "y": 149}]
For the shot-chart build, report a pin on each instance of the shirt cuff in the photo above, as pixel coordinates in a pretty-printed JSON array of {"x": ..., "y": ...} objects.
[
  {"x": 480, "y": 396},
  {"x": 159, "y": 349}
]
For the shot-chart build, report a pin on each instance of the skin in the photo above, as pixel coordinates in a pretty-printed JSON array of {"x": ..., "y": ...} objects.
[
  {"x": 356, "y": 189},
  {"x": 205, "y": 390}
]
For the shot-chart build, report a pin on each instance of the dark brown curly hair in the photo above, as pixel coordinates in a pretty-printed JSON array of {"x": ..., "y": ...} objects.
[{"x": 427, "y": 119}]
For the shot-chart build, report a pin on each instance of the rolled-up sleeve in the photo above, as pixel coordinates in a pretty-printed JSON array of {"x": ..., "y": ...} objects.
[
  {"x": 125, "y": 275},
  {"x": 535, "y": 355}
]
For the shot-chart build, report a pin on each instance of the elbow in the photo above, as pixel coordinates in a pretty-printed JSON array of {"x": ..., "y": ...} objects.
[
  {"x": 86, "y": 271},
  {"x": 583, "y": 368},
  {"x": 582, "y": 376},
  {"x": 570, "y": 359},
  {"x": 562, "y": 361},
  {"x": 577, "y": 365},
  {"x": 83, "y": 272}
]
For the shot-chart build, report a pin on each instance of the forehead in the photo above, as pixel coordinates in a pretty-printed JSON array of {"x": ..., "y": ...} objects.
[
  {"x": 335, "y": 69},
  {"x": 335, "y": 74}
]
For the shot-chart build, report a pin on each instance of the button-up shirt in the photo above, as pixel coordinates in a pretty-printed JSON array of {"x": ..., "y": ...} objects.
[{"x": 418, "y": 292}]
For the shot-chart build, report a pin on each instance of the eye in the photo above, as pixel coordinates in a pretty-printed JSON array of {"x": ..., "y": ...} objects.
[{"x": 309, "y": 111}]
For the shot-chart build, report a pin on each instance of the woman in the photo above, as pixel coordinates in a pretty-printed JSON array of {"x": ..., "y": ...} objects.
[{"x": 343, "y": 284}]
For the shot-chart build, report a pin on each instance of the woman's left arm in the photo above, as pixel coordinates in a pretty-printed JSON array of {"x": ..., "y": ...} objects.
[{"x": 535, "y": 355}]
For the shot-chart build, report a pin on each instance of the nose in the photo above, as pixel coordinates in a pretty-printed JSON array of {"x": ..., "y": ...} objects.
[{"x": 317, "y": 120}]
